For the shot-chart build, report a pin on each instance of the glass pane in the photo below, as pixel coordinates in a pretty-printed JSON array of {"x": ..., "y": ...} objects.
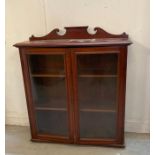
[
  {"x": 49, "y": 92},
  {"x": 48, "y": 83},
  {"x": 52, "y": 122},
  {"x": 97, "y": 124},
  {"x": 104, "y": 64},
  {"x": 46, "y": 64},
  {"x": 97, "y": 95}
]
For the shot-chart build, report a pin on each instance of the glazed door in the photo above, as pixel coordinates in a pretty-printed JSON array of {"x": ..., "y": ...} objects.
[
  {"x": 96, "y": 93},
  {"x": 50, "y": 100}
]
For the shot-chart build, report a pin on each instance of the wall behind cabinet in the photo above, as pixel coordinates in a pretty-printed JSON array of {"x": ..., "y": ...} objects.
[{"x": 38, "y": 17}]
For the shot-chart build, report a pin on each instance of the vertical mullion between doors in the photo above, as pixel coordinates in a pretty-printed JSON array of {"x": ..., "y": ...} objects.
[{"x": 75, "y": 95}]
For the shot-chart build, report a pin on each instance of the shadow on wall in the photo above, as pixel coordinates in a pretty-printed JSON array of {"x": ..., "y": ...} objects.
[{"x": 137, "y": 89}]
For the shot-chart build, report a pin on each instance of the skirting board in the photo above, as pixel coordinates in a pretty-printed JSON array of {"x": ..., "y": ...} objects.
[
  {"x": 21, "y": 121},
  {"x": 130, "y": 126},
  {"x": 137, "y": 126}
]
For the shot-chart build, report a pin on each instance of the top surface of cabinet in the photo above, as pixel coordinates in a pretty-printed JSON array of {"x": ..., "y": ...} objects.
[{"x": 77, "y": 37}]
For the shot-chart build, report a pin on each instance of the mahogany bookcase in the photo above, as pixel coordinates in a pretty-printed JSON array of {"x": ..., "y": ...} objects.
[{"x": 75, "y": 86}]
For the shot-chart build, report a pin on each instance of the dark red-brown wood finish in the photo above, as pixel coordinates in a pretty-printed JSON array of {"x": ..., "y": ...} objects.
[{"x": 75, "y": 86}]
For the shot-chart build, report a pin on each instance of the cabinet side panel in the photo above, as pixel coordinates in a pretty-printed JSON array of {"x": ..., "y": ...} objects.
[{"x": 122, "y": 92}]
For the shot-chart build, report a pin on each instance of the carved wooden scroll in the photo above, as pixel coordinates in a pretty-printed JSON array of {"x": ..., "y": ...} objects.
[{"x": 78, "y": 33}]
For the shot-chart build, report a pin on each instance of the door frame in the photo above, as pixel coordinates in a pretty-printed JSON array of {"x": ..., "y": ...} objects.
[
  {"x": 121, "y": 81},
  {"x": 35, "y": 136}
]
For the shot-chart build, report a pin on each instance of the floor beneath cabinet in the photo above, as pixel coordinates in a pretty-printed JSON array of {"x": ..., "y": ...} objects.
[{"x": 18, "y": 143}]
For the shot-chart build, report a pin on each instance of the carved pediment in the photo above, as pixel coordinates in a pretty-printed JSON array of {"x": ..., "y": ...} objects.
[{"x": 78, "y": 33}]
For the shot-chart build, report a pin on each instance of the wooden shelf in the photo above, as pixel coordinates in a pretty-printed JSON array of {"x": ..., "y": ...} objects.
[
  {"x": 93, "y": 75},
  {"x": 97, "y": 110},
  {"x": 47, "y": 75},
  {"x": 49, "y": 108}
]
